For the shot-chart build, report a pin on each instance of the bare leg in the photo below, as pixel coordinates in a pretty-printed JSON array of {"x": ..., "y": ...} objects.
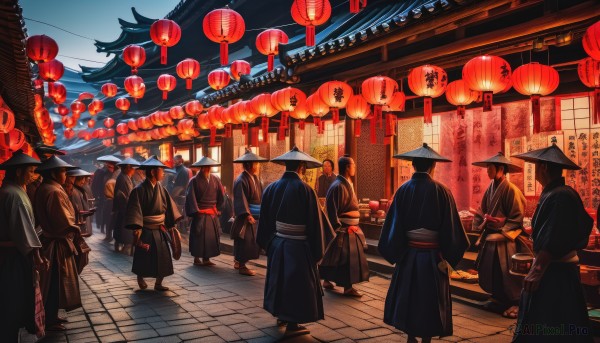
[
  {"x": 207, "y": 262},
  {"x": 352, "y": 292}
]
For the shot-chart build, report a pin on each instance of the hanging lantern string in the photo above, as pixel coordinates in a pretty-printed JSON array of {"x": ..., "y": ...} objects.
[{"x": 60, "y": 28}]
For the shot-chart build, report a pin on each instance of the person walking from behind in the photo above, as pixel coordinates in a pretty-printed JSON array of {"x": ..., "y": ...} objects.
[{"x": 123, "y": 187}]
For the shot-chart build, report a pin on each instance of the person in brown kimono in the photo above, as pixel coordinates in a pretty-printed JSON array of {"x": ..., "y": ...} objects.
[
  {"x": 80, "y": 201},
  {"x": 20, "y": 256},
  {"x": 101, "y": 177},
  {"x": 151, "y": 212},
  {"x": 204, "y": 198},
  {"x": 123, "y": 187},
  {"x": 247, "y": 193},
  {"x": 56, "y": 216},
  {"x": 501, "y": 219},
  {"x": 345, "y": 261}
]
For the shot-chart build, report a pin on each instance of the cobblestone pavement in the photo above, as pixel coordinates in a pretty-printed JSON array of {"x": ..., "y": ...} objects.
[{"x": 216, "y": 304}]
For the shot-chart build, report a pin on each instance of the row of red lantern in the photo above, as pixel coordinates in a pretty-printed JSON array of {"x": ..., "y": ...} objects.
[{"x": 589, "y": 68}]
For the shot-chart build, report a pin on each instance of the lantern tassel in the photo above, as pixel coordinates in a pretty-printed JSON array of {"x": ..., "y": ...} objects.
[
  {"x": 357, "y": 127},
  {"x": 427, "y": 108},
  {"x": 213, "y": 136},
  {"x": 487, "y": 101},
  {"x": 372, "y": 131},
  {"x": 336, "y": 115},
  {"x": 321, "y": 127},
  {"x": 302, "y": 125},
  {"x": 310, "y": 35},
  {"x": 378, "y": 114},
  {"x": 354, "y": 6},
  {"x": 284, "y": 119},
  {"x": 389, "y": 125},
  {"x": 228, "y": 131},
  {"x": 255, "y": 136},
  {"x": 596, "y": 115},
  {"x": 224, "y": 53},
  {"x": 460, "y": 112},
  {"x": 188, "y": 84},
  {"x": 270, "y": 62},
  {"x": 281, "y": 134},
  {"x": 244, "y": 128},
  {"x": 317, "y": 122},
  {"x": 163, "y": 54},
  {"x": 164, "y": 97},
  {"x": 535, "y": 109},
  {"x": 265, "y": 129}
]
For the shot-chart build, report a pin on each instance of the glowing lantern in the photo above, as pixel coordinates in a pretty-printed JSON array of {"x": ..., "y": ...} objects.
[
  {"x": 193, "y": 108},
  {"x": 243, "y": 112},
  {"x": 77, "y": 106},
  {"x": 358, "y": 109},
  {"x": 535, "y": 79},
  {"x": 134, "y": 56},
  {"x": 69, "y": 122},
  {"x": 591, "y": 41},
  {"x": 176, "y": 112},
  {"x": 589, "y": 73},
  {"x": 109, "y": 122},
  {"x": 428, "y": 81},
  {"x": 188, "y": 69},
  {"x": 224, "y": 26},
  {"x": 107, "y": 142},
  {"x": 91, "y": 123},
  {"x": 99, "y": 133},
  {"x": 13, "y": 140},
  {"x": 300, "y": 113},
  {"x": 397, "y": 104},
  {"x": 261, "y": 105},
  {"x": 286, "y": 100},
  {"x": 109, "y": 90},
  {"x": 378, "y": 91},
  {"x": 460, "y": 95},
  {"x": 85, "y": 95},
  {"x": 58, "y": 92},
  {"x": 166, "y": 33},
  {"x": 122, "y": 104},
  {"x": 7, "y": 120},
  {"x": 356, "y": 5},
  {"x": 69, "y": 133},
  {"x": 51, "y": 71},
  {"x": 41, "y": 48},
  {"x": 311, "y": 13},
  {"x": 110, "y": 133},
  {"x": 42, "y": 118},
  {"x": 38, "y": 83},
  {"x": 335, "y": 94},
  {"x": 122, "y": 128},
  {"x": 39, "y": 102},
  {"x": 95, "y": 107},
  {"x": 267, "y": 43},
  {"x": 134, "y": 85},
  {"x": 166, "y": 83},
  {"x": 214, "y": 118},
  {"x": 62, "y": 110},
  {"x": 317, "y": 108},
  {"x": 218, "y": 79},
  {"x": 132, "y": 125},
  {"x": 487, "y": 74},
  {"x": 239, "y": 68}
]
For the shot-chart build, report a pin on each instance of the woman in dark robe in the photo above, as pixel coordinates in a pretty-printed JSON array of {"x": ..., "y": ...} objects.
[{"x": 422, "y": 235}]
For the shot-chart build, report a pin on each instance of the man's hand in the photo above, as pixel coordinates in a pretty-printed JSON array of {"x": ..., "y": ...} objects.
[
  {"x": 494, "y": 222},
  {"x": 41, "y": 263},
  {"x": 540, "y": 264},
  {"x": 251, "y": 220}
]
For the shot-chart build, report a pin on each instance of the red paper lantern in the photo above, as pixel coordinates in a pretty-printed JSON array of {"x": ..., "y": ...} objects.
[
  {"x": 460, "y": 95},
  {"x": 13, "y": 140},
  {"x": 42, "y": 118},
  {"x": 101, "y": 133},
  {"x": 335, "y": 94},
  {"x": 134, "y": 56},
  {"x": 267, "y": 43},
  {"x": 166, "y": 33},
  {"x": 378, "y": 91},
  {"x": 69, "y": 122},
  {"x": 41, "y": 48},
  {"x": 357, "y": 5},
  {"x": 107, "y": 142},
  {"x": 176, "y": 112},
  {"x": 358, "y": 109},
  {"x": 38, "y": 83},
  {"x": 51, "y": 71},
  {"x": 77, "y": 106},
  {"x": 591, "y": 41},
  {"x": 57, "y": 91},
  {"x": 239, "y": 68},
  {"x": 218, "y": 79},
  {"x": 428, "y": 81},
  {"x": 69, "y": 133},
  {"x": 487, "y": 74},
  {"x": 188, "y": 69},
  {"x": 122, "y": 128},
  {"x": 109, "y": 122},
  {"x": 95, "y": 107},
  {"x": 535, "y": 79},
  {"x": 262, "y": 105},
  {"x": 122, "y": 104},
  {"x": 91, "y": 123},
  {"x": 224, "y": 26},
  {"x": 109, "y": 90},
  {"x": 589, "y": 73},
  {"x": 85, "y": 95},
  {"x": 62, "y": 110},
  {"x": 317, "y": 108},
  {"x": 134, "y": 85},
  {"x": 7, "y": 120},
  {"x": 215, "y": 116},
  {"x": 166, "y": 83},
  {"x": 300, "y": 113},
  {"x": 311, "y": 13},
  {"x": 397, "y": 104},
  {"x": 286, "y": 100},
  {"x": 193, "y": 108},
  {"x": 132, "y": 125}
]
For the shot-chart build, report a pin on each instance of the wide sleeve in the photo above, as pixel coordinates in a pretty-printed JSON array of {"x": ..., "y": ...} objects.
[
  {"x": 240, "y": 200},
  {"x": 266, "y": 225},
  {"x": 172, "y": 214},
  {"x": 22, "y": 227},
  {"x": 514, "y": 208},
  {"x": 478, "y": 216},
  {"x": 392, "y": 241},
  {"x": 453, "y": 239},
  {"x": 220, "y": 194},
  {"x": 334, "y": 198},
  {"x": 318, "y": 229},
  {"x": 134, "y": 217},
  {"x": 191, "y": 206},
  {"x": 62, "y": 213}
]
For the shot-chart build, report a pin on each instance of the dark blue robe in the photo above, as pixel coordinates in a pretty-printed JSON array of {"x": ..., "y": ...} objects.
[
  {"x": 560, "y": 225},
  {"x": 418, "y": 301},
  {"x": 123, "y": 188},
  {"x": 292, "y": 289},
  {"x": 247, "y": 190}
]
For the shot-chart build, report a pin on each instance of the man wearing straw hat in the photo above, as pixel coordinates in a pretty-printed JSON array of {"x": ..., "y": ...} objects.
[
  {"x": 247, "y": 194},
  {"x": 422, "y": 235},
  {"x": 203, "y": 200},
  {"x": 293, "y": 231},
  {"x": 43, "y": 152},
  {"x": 80, "y": 201},
  {"x": 56, "y": 216},
  {"x": 99, "y": 182},
  {"x": 151, "y": 212},
  {"x": 19, "y": 251},
  {"x": 123, "y": 187},
  {"x": 500, "y": 218},
  {"x": 553, "y": 307}
]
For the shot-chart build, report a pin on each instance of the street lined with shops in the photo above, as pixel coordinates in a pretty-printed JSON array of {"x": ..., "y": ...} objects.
[{"x": 216, "y": 304}]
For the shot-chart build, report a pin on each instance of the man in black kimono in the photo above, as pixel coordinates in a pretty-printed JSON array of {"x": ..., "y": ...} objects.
[
  {"x": 204, "y": 198},
  {"x": 345, "y": 261},
  {"x": 151, "y": 213},
  {"x": 101, "y": 176},
  {"x": 123, "y": 187},
  {"x": 326, "y": 179},
  {"x": 501, "y": 219},
  {"x": 293, "y": 232},
  {"x": 19, "y": 251},
  {"x": 553, "y": 307},
  {"x": 422, "y": 235},
  {"x": 247, "y": 193}
]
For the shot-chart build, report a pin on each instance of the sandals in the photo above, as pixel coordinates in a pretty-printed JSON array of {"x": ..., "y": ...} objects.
[
  {"x": 511, "y": 313},
  {"x": 297, "y": 330},
  {"x": 236, "y": 265},
  {"x": 161, "y": 288},
  {"x": 327, "y": 285},
  {"x": 247, "y": 271},
  {"x": 353, "y": 293},
  {"x": 142, "y": 283}
]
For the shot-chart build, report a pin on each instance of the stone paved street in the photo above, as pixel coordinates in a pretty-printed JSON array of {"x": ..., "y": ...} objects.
[{"x": 216, "y": 304}]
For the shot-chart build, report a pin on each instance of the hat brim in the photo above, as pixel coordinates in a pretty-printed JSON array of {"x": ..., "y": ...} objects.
[{"x": 512, "y": 168}]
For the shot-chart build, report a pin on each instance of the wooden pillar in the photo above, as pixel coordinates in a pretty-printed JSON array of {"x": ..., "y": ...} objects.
[
  {"x": 227, "y": 163},
  {"x": 388, "y": 183},
  {"x": 292, "y": 136}
]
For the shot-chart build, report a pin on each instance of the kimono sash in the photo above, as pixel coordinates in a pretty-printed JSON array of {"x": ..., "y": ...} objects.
[
  {"x": 154, "y": 222},
  {"x": 254, "y": 210},
  {"x": 291, "y": 231}
]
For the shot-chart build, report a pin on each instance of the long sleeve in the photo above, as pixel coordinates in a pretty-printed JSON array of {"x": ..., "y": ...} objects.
[
  {"x": 392, "y": 241},
  {"x": 266, "y": 224},
  {"x": 453, "y": 239},
  {"x": 318, "y": 229},
  {"x": 220, "y": 194},
  {"x": 61, "y": 213},
  {"x": 191, "y": 206},
  {"x": 514, "y": 208},
  {"x": 333, "y": 200},
  {"x": 134, "y": 218},
  {"x": 21, "y": 224},
  {"x": 240, "y": 203}
]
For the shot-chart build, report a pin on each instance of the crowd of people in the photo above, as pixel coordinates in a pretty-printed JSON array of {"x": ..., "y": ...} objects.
[{"x": 49, "y": 203}]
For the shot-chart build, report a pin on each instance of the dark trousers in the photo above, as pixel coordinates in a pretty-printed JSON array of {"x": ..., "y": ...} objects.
[{"x": 51, "y": 301}]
